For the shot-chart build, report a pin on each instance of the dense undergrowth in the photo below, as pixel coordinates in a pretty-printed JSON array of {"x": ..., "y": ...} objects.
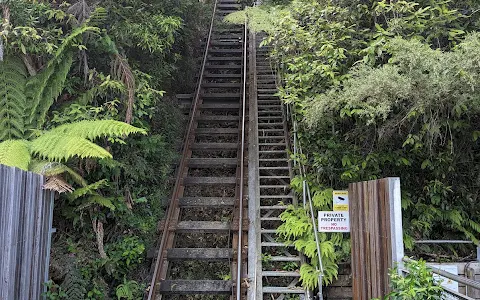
[
  {"x": 382, "y": 88},
  {"x": 77, "y": 79}
]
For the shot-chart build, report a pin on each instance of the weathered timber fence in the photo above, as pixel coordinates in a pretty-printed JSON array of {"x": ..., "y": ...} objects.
[
  {"x": 26, "y": 212},
  {"x": 376, "y": 235}
]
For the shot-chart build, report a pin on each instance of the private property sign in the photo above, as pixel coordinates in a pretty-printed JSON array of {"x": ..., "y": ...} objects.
[{"x": 333, "y": 221}]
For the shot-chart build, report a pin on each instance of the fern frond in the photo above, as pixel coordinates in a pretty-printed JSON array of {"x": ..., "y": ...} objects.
[
  {"x": 56, "y": 146},
  {"x": 474, "y": 225},
  {"x": 99, "y": 128},
  {"x": 46, "y": 87},
  {"x": 107, "y": 87},
  {"x": 309, "y": 276},
  {"x": 49, "y": 168},
  {"x": 89, "y": 189},
  {"x": 97, "y": 199},
  {"x": 74, "y": 285},
  {"x": 98, "y": 17},
  {"x": 67, "y": 42},
  {"x": 15, "y": 153},
  {"x": 13, "y": 76}
]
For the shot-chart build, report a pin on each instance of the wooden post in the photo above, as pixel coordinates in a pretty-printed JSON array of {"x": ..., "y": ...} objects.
[{"x": 376, "y": 235}]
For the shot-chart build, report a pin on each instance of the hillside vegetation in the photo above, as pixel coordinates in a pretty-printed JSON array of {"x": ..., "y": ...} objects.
[
  {"x": 382, "y": 88},
  {"x": 84, "y": 100}
]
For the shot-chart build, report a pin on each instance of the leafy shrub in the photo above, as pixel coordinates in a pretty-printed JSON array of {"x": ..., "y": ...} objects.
[
  {"x": 417, "y": 284},
  {"x": 125, "y": 255}
]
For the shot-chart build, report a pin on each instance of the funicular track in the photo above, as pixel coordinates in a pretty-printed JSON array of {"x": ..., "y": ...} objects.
[
  {"x": 273, "y": 266},
  {"x": 202, "y": 249}
]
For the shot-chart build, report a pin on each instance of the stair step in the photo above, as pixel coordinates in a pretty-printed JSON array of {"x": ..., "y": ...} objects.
[
  {"x": 274, "y": 244},
  {"x": 225, "y": 51},
  {"x": 221, "y": 85},
  {"x": 218, "y": 118},
  {"x": 270, "y": 231},
  {"x": 206, "y": 201},
  {"x": 220, "y": 95},
  {"x": 274, "y": 168},
  {"x": 280, "y": 274},
  {"x": 272, "y": 144},
  {"x": 270, "y": 219},
  {"x": 214, "y": 146},
  {"x": 267, "y": 91},
  {"x": 223, "y": 67},
  {"x": 212, "y": 75},
  {"x": 212, "y": 162},
  {"x": 190, "y": 180},
  {"x": 185, "y": 287},
  {"x": 210, "y": 254},
  {"x": 282, "y": 290},
  {"x": 275, "y": 196},
  {"x": 203, "y": 226},
  {"x": 216, "y": 130},
  {"x": 222, "y": 58},
  {"x": 275, "y": 177},
  {"x": 278, "y": 124},
  {"x": 272, "y": 130},
  {"x": 229, "y": 44},
  {"x": 272, "y": 151},
  {"x": 275, "y": 207}
]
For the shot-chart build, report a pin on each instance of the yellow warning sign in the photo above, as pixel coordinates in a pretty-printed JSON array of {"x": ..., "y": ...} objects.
[{"x": 340, "y": 200}]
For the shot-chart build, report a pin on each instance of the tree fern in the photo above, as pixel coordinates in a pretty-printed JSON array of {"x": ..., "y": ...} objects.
[
  {"x": 99, "y": 200},
  {"x": 98, "y": 128},
  {"x": 12, "y": 98},
  {"x": 46, "y": 87},
  {"x": 74, "y": 285},
  {"x": 89, "y": 189},
  {"x": 15, "y": 153},
  {"x": 98, "y": 17},
  {"x": 56, "y": 146}
]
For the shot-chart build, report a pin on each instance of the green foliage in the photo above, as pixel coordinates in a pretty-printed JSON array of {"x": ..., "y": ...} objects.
[
  {"x": 12, "y": 98},
  {"x": 297, "y": 229},
  {"x": 74, "y": 285},
  {"x": 129, "y": 290},
  {"x": 417, "y": 284},
  {"x": 15, "y": 153},
  {"x": 125, "y": 255},
  {"x": 65, "y": 142},
  {"x": 54, "y": 291},
  {"x": 98, "y": 128},
  {"x": 259, "y": 18},
  {"x": 379, "y": 89},
  {"x": 65, "y": 70},
  {"x": 424, "y": 97}
]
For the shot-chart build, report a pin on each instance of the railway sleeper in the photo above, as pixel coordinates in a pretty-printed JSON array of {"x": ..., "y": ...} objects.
[{"x": 185, "y": 287}]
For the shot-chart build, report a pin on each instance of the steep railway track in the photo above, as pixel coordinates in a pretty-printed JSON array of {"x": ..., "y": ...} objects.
[
  {"x": 210, "y": 221},
  {"x": 202, "y": 250}
]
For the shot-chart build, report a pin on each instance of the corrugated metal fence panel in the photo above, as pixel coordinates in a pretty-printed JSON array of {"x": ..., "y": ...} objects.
[
  {"x": 26, "y": 212},
  {"x": 370, "y": 203}
]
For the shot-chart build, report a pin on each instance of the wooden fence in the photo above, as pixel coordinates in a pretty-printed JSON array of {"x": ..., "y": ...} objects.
[
  {"x": 376, "y": 235},
  {"x": 26, "y": 212}
]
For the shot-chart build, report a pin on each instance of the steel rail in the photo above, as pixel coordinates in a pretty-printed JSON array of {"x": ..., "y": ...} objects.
[
  {"x": 242, "y": 154},
  {"x": 182, "y": 165},
  {"x": 468, "y": 282},
  {"x": 307, "y": 195}
]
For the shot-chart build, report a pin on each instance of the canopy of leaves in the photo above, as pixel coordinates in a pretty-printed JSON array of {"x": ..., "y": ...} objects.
[{"x": 385, "y": 88}]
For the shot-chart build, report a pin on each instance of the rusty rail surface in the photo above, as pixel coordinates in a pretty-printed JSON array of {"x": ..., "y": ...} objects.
[{"x": 172, "y": 216}]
